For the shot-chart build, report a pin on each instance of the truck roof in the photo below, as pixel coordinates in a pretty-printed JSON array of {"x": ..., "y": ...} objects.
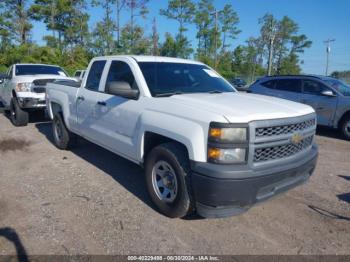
[{"x": 160, "y": 59}]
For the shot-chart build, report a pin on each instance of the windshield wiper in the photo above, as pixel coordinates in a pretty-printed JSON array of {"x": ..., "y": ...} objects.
[{"x": 168, "y": 94}]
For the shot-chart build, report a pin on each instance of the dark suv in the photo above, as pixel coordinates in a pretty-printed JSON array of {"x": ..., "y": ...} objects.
[{"x": 329, "y": 97}]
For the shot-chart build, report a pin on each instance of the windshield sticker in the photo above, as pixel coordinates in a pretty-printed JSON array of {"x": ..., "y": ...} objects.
[{"x": 211, "y": 73}]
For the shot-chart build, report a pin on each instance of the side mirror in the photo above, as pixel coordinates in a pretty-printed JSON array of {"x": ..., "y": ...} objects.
[
  {"x": 328, "y": 93},
  {"x": 123, "y": 89}
]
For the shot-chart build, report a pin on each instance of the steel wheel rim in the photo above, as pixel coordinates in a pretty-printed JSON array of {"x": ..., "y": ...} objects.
[
  {"x": 57, "y": 130},
  {"x": 164, "y": 181}
]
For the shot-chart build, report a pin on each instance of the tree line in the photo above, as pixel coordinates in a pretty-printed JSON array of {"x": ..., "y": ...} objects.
[{"x": 71, "y": 43}]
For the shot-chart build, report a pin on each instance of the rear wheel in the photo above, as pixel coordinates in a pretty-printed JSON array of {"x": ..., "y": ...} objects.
[
  {"x": 64, "y": 139},
  {"x": 18, "y": 116},
  {"x": 345, "y": 128},
  {"x": 168, "y": 180}
]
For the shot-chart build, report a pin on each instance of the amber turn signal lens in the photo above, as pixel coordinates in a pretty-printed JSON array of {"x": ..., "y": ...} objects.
[
  {"x": 215, "y": 132},
  {"x": 213, "y": 153}
]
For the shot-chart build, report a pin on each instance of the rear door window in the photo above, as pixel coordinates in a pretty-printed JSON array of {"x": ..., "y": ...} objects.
[
  {"x": 269, "y": 84},
  {"x": 289, "y": 85},
  {"x": 95, "y": 74}
]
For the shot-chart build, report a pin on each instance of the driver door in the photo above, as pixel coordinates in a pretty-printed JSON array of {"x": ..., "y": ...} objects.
[{"x": 324, "y": 105}]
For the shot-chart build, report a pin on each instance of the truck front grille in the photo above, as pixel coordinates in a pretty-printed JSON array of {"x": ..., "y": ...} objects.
[
  {"x": 281, "y": 151},
  {"x": 39, "y": 89},
  {"x": 284, "y": 129}
]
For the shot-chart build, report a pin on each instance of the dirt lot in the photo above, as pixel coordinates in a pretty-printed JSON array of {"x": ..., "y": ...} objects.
[{"x": 89, "y": 201}]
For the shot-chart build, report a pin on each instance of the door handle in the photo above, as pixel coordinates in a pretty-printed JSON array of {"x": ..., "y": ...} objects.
[
  {"x": 81, "y": 98},
  {"x": 102, "y": 103}
]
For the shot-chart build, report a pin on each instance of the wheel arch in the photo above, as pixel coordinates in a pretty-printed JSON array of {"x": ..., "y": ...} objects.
[
  {"x": 345, "y": 115},
  {"x": 156, "y": 128},
  {"x": 151, "y": 140}
]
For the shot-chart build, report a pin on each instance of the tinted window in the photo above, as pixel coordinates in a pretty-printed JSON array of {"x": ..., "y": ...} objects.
[
  {"x": 269, "y": 84},
  {"x": 313, "y": 87},
  {"x": 163, "y": 78},
  {"x": 95, "y": 74},
  {"x": 39, "y": 70},
  {"x": 77, "y": 74},
  {"x": 121, "y": 72},
  {"x": 340, "y": 86},
  {"x": 290, "y": 85}
]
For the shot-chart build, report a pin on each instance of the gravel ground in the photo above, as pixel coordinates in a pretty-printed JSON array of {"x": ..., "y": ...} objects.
[{"x": 90, "y": 201}]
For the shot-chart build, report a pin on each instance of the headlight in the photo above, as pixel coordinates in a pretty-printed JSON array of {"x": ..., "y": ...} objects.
[
  {"x": 227, "y": 143},
  {"x": 23, "y": 87},
  {"x": 228, "y": 134},
  {"x": 227, "y": 156}
]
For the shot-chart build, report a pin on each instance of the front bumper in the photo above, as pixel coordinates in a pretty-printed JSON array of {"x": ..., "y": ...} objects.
[
  {"x": 218, "y": 197},
  {"x": 29, "y": 100}
]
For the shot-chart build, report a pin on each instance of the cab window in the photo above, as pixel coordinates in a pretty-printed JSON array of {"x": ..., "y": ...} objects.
[
  {"x": 121, "y": 72},
  {"x": 95, "y": 74}
]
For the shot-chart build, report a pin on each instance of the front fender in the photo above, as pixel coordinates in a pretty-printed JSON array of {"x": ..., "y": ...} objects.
[
  {"x": 193, "y": 135},
  {"x": 62, "y": 101}
]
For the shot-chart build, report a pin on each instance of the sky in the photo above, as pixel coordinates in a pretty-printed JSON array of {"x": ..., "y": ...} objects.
[{"x": 317, "y": 19}]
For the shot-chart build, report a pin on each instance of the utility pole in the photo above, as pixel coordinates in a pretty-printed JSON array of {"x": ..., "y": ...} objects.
[
  {"x": 328, "y": 42},
  {"x": 216, "y": 13}
]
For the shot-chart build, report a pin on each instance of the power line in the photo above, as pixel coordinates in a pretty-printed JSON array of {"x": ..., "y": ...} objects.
[{"x": 328, "y": 42}]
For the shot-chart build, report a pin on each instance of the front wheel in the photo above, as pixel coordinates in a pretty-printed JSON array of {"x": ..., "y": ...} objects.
[
  {"x": 168, "y": 180},
  {"x": 345, "y": 128},
  {"x": 18, "y": 116}
]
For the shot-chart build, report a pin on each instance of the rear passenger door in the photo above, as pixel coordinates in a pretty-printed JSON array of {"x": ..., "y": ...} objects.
[
  {"x": 87, "y": 102},
  {"x": 289, "y": 89},
  {"x": 325, "y": 106}
]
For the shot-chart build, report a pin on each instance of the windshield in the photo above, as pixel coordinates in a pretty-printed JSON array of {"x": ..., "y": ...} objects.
[
  {"x": 22, "y": 70},
  {"x": 339, "y": 86},
  {"x": 170, "y": 78}
]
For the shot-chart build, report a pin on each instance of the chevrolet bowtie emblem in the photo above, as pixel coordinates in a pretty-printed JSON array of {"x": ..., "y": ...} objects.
[{"x": 296, "y": 138}]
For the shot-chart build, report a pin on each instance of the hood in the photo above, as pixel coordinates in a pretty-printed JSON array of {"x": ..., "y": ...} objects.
[
  {"x": 243, "y": 108},
  {"x": 31, "y": 78}
]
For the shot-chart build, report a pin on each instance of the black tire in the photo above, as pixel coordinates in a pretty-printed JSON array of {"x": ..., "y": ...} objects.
[
  {"x": 176, "y": 156},
  {"x": 18, "y": 116},
  {"x": 63, "y": 138},
  {"x": 345, "y": 128}
]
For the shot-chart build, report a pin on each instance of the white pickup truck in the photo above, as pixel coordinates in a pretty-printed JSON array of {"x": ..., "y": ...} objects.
[
  {"x": 22, "y": 89},
  {"x": 204, "y": 146}
]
